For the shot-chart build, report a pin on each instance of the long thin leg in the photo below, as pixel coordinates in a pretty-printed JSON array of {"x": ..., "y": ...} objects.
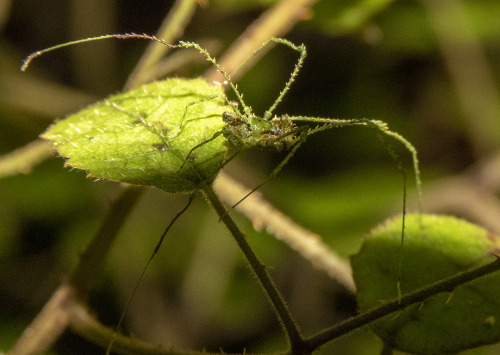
[
  {"x": 183, "y": 120},
  {"x": 378, "y": 125},
  {"x": 155, "y": 251},
  {"x": 382, "y": 129},
  {"x": 188, "y": 156}
]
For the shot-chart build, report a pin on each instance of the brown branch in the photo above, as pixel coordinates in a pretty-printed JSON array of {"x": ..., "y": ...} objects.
[
  {"x": 308, "y": 244},
  {"x": 469, "y": 70},
  {"x": 24, "y": 159},
  {"x": 48, "y": 324},
  {"x": 171, "y": 28},
  {"x": 471, "y": 194},
  {"x": 275, "y": 22},
  {"x": 53, "y": 319}
]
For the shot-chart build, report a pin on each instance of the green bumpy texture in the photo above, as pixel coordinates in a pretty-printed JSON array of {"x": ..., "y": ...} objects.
[
  {"x": 435, "y": 247},
  {"x": 137, "y": 137}
]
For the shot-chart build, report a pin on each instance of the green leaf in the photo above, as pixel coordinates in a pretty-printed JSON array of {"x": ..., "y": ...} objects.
[
  {"x": 434, "y": 247},
  {"x": 137, "y": 136}
]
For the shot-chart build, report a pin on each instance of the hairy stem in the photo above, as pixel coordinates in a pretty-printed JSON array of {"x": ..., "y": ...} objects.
[
  {"x": 445, "y": 285},
  {"x": 258, "y": 268}
]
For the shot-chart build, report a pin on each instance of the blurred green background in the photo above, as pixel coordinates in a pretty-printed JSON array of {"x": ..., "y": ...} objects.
[{"x": 430, "y": 69}]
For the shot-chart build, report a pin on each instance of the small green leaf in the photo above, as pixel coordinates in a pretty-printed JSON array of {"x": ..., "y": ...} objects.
[
  {"x": 435, "y": 247},
  {"x": 144, "y": 136}
]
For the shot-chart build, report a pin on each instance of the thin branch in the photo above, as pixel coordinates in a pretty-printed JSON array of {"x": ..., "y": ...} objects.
[
  {"x": 445, "y": 285},
  {"x": 49, "y": 324},
  {"x": 478, "y": 198},
  {"x": 308, "y": 244},
  {"x": 53, "y": 319},
  {"x": 24, "y": 159},
  {"x": 469, "y": 70},
  {"x": 81, "y": 322},
  {"x": 91, "y": 260},
  {"x": 171, "y": 29}
]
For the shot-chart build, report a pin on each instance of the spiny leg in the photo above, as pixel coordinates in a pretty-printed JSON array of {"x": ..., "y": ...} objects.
[
  {"x": 303, "y": 52},
  {"x": 188, "y": 156},
  {"x": 301, "y": 49},
  {"x": 380, "y": 126},
  {"x": 181, "y": 44},
  {"x": 267, "y": 115},
  {"x": 183, "y": 120}
]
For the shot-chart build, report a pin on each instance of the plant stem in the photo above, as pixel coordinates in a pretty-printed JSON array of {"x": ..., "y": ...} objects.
[
  {"x": 92, "y": 258},
  {"x": 445, "y": 285},
  {"x": 83, "y": 323},
  {"x": 265, "y": 216},
  {"x": 53, "y": 319},
  {"x": 49, "y": 323},
  {"x": 291, "y": 329},
  {"x": 24, "y": 159},
  {"x": 474, "y": 84}
]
